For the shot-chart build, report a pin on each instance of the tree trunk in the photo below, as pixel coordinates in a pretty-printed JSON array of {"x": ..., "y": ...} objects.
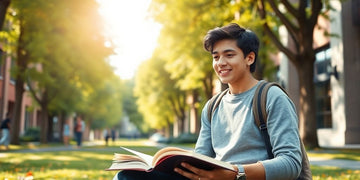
[
  {"x": 21, "y": 64},
  {"x": 44, "y": 124},
  {"x": 50, "y": 131},
  {"x": 208, "y": 84},
  {"x": 44, "y": 119},
  {"x": 15, "y": 124},
  {"x": 307, "y": 114},
  {"x": 194, "y": 113},
  {"x": 62, "y": 120},
  {"x": 4, "y": 4},
  {"x": 181, "y": 122}
]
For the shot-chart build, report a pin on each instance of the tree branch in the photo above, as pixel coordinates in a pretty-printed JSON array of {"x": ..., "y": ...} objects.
[
  {"x": 271, "y": 34},
  {"x": 289, "y": 26},
  {"x": 302, "y": 12},
  {"x": 32, "y": 91},
  {"x": 316, "y": 7},
  {"x": 293, "y": 30},
  {"x": 173, "y": 106},
  {"x": 290, "y": 8},
  {"x": 277, "y": 43}
]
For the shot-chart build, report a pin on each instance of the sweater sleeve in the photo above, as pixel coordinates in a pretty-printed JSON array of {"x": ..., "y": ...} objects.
[{"x": 282, "y": 126}]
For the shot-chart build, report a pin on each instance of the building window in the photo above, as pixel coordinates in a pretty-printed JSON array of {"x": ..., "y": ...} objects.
[
  {"x": 322, "y": 73},
  {"x": 27, "y": 123}
]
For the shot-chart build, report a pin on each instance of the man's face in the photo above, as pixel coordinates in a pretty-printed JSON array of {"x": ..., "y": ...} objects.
[{"x": 229, "y": 62}]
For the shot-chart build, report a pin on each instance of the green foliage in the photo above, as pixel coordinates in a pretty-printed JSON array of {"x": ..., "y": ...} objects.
[
  {"x": 130, "y": 107},
  {"x": 31, "y": 134},
  {"x": 159, "y": 99},
  {"x": 66, "y": 67},
  {"x": 185, "y": 23},
  {"x": 184, "y": 138},
  {"x": 10, "y": 32},
  {"x": 103, "y": 106}
]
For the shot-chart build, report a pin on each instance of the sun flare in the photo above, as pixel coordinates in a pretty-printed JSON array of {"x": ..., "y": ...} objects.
[{"x": 132, "y": 32}]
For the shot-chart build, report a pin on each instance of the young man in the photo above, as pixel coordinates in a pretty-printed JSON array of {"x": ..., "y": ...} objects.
[{"x": 232, "y": 136}]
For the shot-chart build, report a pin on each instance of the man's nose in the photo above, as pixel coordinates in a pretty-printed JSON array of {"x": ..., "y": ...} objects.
[{"x": 222, "y": 61}]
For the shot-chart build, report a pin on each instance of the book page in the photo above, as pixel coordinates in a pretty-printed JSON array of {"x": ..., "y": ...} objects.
[
  {"x": 126, "y": 158},
  {"x": 162, "y": 151},
  {"x": 147, "y": 158},
  {"x": 165, "y": 153},
  {"x": 130, "y": 165}
]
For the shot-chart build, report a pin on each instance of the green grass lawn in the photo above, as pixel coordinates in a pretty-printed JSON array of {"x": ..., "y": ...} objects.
[
  {"x": 86, "y": 163},
  {"x": 90, "y": 162}
]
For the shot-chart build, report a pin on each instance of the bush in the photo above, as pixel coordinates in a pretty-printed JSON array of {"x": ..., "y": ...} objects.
[
  {"x": 31, "y": 134},
  {"x": 185, "y": 138}
]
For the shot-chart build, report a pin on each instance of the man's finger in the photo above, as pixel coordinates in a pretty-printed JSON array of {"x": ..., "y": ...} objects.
[
  {"x": 191, "y": 168},
  {"x": 186, "y": 173}
]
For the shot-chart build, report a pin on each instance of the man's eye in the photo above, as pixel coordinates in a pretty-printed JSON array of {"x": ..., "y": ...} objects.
[
  {"x": 215, "y": 57},
  {"x": 230, "y": 55}
]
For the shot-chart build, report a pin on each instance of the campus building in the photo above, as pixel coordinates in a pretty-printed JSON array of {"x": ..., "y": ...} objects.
[
  {"x": 7, "y": 96},
  {"x": 336, "y": 76}
]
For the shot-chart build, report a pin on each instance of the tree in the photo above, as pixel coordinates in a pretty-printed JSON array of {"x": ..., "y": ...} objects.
[
  {"x": 130, "y": 107},
  {"x": 103, "y": 106},
  {"x": 185, "y": 24},
  {"x": 300, "y": 19},
  {"x": 61, "y": 47},
  {"x": 4, "y": 4},
  {"x": 159, "y": 99},
  {"x": 21, "y": 64}
]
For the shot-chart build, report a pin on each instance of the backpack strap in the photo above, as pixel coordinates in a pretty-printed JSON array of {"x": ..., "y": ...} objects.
[
  {"x": 259, "y": 102},
  {"x": 214, "y": 103},
  {"x": 260, "y": 116}
]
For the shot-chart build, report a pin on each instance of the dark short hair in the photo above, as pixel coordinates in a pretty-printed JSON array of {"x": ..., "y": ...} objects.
[{"x": 246, "y": 40}]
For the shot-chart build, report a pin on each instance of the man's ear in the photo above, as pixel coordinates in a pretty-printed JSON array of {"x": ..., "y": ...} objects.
[{"x": 250, "y": 58}]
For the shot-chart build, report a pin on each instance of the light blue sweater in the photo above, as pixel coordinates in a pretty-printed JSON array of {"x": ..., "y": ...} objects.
[{"x": 233, "y": 137}]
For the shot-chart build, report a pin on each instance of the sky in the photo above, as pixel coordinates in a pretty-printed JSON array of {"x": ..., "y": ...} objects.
[{"x": 133, "y": 33}]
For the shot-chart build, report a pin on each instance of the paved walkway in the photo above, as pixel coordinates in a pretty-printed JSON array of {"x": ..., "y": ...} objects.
[
  {"x": 318, "y": 161},
  {"x": 341, "y": 163}
]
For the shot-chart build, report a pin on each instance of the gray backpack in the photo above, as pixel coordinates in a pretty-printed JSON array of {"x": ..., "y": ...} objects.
[{"x": 260, "y": 116}]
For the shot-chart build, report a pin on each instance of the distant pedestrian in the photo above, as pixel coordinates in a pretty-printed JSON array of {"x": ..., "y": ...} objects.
[
  {"x": 5, "y": 128},
  {"x": 106, "y": 136},
  {"x": 66, "y": 132},
  {"x": 113, "y": 135},
  {"x": 79, "y": 129}
]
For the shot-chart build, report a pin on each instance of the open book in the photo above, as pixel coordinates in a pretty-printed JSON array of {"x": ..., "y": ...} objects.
[{"x": 165, "y": 160}]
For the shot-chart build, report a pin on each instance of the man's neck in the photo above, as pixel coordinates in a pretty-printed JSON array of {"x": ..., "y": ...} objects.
[{"x": 243, "y": 86}]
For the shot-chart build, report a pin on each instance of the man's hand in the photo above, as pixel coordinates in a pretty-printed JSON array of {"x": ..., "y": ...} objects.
[{"x": 200, "y": 174}]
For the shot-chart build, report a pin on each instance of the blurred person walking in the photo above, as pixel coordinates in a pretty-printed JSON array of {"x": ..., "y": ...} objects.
[
  {"x": 5, "y": 128},
  {"x": 113, "y": 135},
  {"x": 106, "y": 136},
  {"x": 79, "y": 129},
  {"x": 66, "y": 133}
]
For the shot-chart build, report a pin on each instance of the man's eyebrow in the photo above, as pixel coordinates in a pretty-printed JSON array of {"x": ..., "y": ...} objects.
[{"x": 225, "y": 51}]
